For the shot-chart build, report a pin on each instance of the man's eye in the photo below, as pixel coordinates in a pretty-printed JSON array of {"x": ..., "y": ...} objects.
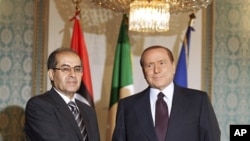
[
  {"x": 163, "y": 62},
  {"x": 78, "y": 69},
  {"x": 148, "y": 66},
  {"x": 65, "y": 69}
]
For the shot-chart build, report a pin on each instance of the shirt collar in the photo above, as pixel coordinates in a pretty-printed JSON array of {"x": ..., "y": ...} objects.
[
  {"x": 168, "y": 91},
  {"x": 65, "y": 98}
]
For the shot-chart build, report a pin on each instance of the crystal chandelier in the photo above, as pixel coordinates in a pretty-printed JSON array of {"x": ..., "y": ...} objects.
[
  {"x": 147, "y": 16},
  {"x": 152, "y": 15}
]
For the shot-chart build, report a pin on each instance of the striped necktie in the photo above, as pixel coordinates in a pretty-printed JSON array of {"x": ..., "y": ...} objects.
[
  {"x": 79, "y": 119},
  {"x": 161, "y": 117}
]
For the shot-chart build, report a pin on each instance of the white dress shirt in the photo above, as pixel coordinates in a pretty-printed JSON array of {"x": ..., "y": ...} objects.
[
  {"x": 65, "y": 98},
  {"x": 168, "y": 92}
]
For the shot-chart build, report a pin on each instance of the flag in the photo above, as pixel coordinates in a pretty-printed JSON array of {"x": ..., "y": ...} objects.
[
  {"x": 122, "y": 79},
  {"x": 181, "y": 77},
  {"x": 78, "y": 44}
]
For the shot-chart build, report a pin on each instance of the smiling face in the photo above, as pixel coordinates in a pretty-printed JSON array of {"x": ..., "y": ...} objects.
[
  {"x": 157, "y": 67},
  {"x": 67, "y": 82}
]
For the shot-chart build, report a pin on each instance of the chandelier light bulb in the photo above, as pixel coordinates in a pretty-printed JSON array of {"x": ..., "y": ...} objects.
[{"x": 149, "y": 16}]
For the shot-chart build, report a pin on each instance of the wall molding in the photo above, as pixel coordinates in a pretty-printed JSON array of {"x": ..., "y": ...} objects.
[
  {"x": 207, "y": 49},
  {"x": 40, "y": 49}
]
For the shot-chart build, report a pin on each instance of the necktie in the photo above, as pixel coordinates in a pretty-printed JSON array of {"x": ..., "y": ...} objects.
[
  {"x": 161, "y": 117},
  {"x": 79, "y": 119}
]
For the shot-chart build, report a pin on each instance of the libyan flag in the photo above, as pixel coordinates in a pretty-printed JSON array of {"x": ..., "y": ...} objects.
[
  {"x": 122, "y": 79},
  {"x": 85, "y": 93}
]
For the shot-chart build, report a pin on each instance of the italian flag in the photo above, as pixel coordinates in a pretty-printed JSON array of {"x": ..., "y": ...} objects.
[{"x": 122, "y": 79}]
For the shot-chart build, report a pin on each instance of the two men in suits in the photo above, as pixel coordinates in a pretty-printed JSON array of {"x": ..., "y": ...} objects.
[
  {"x": 48, "y": 117},
  {"x": 190, "y": 114}
]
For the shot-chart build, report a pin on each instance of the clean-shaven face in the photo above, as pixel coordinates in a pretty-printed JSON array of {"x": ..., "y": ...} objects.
[{"x": 157, "y": 67}]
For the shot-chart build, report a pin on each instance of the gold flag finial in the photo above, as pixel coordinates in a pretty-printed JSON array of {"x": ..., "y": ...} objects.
[
  {"x": 76, "y": 2},
  {"x": 77, "y": 9},
  {"x": 191, "y": 21}
]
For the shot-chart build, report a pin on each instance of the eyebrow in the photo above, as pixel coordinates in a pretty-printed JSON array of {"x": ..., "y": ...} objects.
[{"x": 70, "y": 66}]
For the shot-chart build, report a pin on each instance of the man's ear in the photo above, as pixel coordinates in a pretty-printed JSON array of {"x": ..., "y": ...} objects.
[
  {"x": 174, "y": 67},
  {"x": 51, "y": 74}
]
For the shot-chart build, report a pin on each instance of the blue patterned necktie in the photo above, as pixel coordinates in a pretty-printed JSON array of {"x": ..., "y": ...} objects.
[
  {"x": 79, "y": 119},
  {"x": 161, "y": 117}
]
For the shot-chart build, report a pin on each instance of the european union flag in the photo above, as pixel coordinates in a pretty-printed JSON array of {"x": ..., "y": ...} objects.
[{"x": 181, "y": 70}]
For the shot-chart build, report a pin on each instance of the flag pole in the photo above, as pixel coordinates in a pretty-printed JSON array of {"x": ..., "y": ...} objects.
[
  {"x": 122, "y": 76},
  {"x": 181, "y": 74},
  {"x": 77, "y": 9},
  {"x": 191, "y": 20},
  {"x": 76, "y": 2}
]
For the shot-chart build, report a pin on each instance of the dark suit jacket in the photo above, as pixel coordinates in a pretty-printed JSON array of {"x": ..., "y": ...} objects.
[
  {"x": 192, "y": 118},
  {"x": 48, "y": 118}
]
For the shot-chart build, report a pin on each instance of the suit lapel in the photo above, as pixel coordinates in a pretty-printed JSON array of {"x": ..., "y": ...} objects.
[
  {"x": 178, "y": 105},
  {"x": 65, "y": 112},
  {"x": 144, "y": 116}
]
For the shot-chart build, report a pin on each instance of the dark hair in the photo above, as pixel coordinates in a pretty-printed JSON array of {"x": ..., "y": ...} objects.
[
  {"x": 52, "y": 62},
  {"x": 169, "y": 52}
]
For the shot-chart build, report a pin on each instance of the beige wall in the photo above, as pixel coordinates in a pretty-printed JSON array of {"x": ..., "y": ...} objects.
[{"x": 101, "y": 29}]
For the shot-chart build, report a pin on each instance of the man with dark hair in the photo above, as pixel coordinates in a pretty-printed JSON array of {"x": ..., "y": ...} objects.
[{"x": 57, "y": 115}]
